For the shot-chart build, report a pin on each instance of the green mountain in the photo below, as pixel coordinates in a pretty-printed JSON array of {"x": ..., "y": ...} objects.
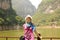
[
  {"x": 48, "y": 13},
  {"x": 8, "y": 17},
  {"x": 49, "y": 6},
  {"x": 23, "y": 7}
]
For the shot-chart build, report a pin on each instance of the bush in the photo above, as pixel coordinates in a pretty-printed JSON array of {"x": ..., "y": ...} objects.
[{"x": 9, "y": 18}]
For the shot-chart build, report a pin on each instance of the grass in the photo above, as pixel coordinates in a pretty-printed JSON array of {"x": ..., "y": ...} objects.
[
  {"x": 11, "y": 33},
  {"x": 14, "y": 33},
  {"x": 48, "y": 32}
]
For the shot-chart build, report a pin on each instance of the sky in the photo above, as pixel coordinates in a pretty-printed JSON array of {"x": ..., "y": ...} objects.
[{"x": 35, "y": 2}]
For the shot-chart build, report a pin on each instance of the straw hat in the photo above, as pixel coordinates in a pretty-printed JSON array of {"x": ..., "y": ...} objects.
[{"x": 28, "y": 16}]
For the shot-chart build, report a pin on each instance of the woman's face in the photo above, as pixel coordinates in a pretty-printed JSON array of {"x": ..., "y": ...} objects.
[{"x": 28, "y": 19}]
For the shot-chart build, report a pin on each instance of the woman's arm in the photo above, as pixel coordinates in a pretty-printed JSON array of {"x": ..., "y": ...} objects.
[
  {"x": 35, "y": 31},
  {"x": 38, "y": 34}
]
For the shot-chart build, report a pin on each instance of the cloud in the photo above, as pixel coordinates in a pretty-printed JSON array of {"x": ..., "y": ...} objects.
[{"x": 35, "y": 2}]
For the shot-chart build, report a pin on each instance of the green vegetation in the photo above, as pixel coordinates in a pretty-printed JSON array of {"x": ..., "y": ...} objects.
[
  {"x": 46, "y": 3},
  {"x": 48, "y": 32},
  {"x": 14, "y": 33},
  {"x": 47, "y": 13},
  {"x": 47, "y": 19},
  {"x": 9, "y": 18}
]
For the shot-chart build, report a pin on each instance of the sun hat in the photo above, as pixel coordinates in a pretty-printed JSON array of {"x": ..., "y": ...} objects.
[{"x": 28, "y": 16}]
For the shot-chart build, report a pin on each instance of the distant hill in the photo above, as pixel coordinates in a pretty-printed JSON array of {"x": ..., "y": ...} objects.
[
  {"x": 48, "y": 6},
  {"x": 48, "y": 13},
  {"x": 23, "y": 7}
]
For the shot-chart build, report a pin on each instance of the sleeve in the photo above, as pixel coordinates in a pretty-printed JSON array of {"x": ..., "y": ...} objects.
[{"x": 24, "y": 26}]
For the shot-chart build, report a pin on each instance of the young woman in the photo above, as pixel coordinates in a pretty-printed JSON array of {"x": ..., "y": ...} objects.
[{"x": 29, "y": 28}]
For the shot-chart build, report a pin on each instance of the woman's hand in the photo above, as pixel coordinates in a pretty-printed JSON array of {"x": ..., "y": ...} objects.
[{"x": 38, "y": 34}]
